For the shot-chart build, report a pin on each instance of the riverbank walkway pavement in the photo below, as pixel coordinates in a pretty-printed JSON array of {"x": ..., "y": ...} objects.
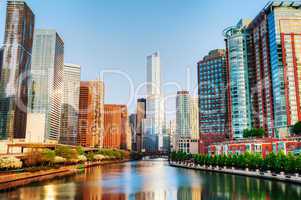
[{"x": 295, "y": 178}]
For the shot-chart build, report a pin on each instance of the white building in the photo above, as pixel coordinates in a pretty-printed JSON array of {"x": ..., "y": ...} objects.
[
  {"x": 46, "y": 90},
  {"x": 155, "y": 117},
  {"x": 187, "y": 138},
  {"x": 194, "y": 117},
  {"x": 71, "y": 104}
]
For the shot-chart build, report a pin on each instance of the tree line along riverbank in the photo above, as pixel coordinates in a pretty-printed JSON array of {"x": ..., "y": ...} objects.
[
  {"x": 275, "y": 163},
  {"x": 46, "y": 164},
  {"x": 60, "y": 156}
]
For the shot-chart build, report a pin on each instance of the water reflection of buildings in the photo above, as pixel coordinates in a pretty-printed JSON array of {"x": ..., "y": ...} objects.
[
  {"x": 92, "y": 189},
  {"x": 187, "y": 193}
]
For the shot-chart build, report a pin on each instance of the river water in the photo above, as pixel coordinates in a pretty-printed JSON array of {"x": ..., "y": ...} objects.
[{"x": 153, "y": 180}]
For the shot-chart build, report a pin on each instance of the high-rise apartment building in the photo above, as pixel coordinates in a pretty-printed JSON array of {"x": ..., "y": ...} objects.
[
  {"x": 194, "y": 117},
  {"x": 16, "y": 61},
  {"x": 155, "y": 117},
  {"x": 186, "y": 122},
  {"x": 46, "y": 90},
  {"x": 183, "y": 126},
  {"x": 274, "y": 37},
  {"x": 141, "y": 115},
  {"x": 183, "y": 114},
  {"x": 172, "y": 127},
  {"x": 69, "y": 122},
  {"x": 237, "y": 70},
  {"x": 91, "y": 114},
  {"x": 117, "y": 134},
  {"x": 213, "y": 98}
]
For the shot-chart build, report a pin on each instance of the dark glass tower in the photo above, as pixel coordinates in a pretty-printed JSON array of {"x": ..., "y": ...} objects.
[{"x": 15, "y": 69}]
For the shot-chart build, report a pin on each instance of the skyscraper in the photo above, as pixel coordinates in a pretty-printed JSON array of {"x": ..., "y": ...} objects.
[
  {"x": 183, "y": 125},
  {"x": 155, "y": 116},
  {"x": 91, "y": 114},
  {"x": 133, "y": 127},
  {"x": 141, "y": 115},
  {"x": 117, "y": 132},
  {"x": 187, "y": 131},
  {"x": 46, "y": 91},
  {"x": 194, "y": 117},
  {"x": 70, "y": 105},
  {"x": 183, "y": 114},
  {"x": 1, "y": 58},
  {"x": 18, "y": 39},
  {"x": 237, "y": 70},
  {"x": 213, "y": 98},
  {"x": 274, "y": 52}
]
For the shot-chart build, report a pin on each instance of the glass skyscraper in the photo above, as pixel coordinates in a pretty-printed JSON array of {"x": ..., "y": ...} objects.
[
  {"x": 183, "y": 114},
  {"x": 46, "y": 91},
  {"x": 18, "y": 39},
  {"x": 155, "y": 117},
  {"x": 274, "y": 51},
  {"x": 213, "y": 99},
  {"x": 69, "y": 122},
  {"x": 239, "y": 100}
]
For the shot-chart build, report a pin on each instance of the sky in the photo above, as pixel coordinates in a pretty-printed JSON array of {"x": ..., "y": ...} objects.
[{"x": 113, "y": 37}]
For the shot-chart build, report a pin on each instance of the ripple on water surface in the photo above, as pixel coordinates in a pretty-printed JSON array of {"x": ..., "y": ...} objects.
[{"x": 153, "y": 180}]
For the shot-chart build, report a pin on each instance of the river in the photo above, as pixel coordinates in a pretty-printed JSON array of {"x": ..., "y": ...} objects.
[{"x": 153, "y": 180}]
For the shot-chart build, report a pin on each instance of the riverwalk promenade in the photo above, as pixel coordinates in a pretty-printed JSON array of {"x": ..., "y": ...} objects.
[
  {"x": 296, "y": 178},
  {"x": 13, "y": 180}
]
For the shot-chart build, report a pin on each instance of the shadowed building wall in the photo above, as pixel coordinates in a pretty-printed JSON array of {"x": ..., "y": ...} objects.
[{"x": 18, "y": 39}]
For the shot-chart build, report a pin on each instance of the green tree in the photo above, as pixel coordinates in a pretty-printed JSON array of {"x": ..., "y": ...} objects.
[
  {"x": 47, "y": 156},
  {"x": 298, "y": 164},
  {"x": 297, "y": 128},
  {"x": 66, "y": 152},
  {"x": 80, "y": 150},
  {"x": 291, "y": 163},
  {"x": 270, "y": 161},
  {"x": 253, "y": 132},
  {"x": 90, "y": 156},
  {"x": 260, "y": 132}
]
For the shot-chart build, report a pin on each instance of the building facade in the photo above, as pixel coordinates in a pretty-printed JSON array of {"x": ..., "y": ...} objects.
[
  {"x": 133, "y": 127},
  {"x": 213, "y": 94},
  {"x": 183, "y": 114},
  {"x": 69, "y": 123},
  {"x": 194, "y": 117},
  {"x": 16, "y": 61},
  {"x": 46, "y": 90},
  {"x": 186, "y": 122},
  {"x": 273, "y": 58},
  {"x": 91, "y": 114},
  {"x": 155, "y": 117},
  {"x": 237, "y": 70},
  {"x": 141, "y": 115},
  {"x": 117, "y": 134}
]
